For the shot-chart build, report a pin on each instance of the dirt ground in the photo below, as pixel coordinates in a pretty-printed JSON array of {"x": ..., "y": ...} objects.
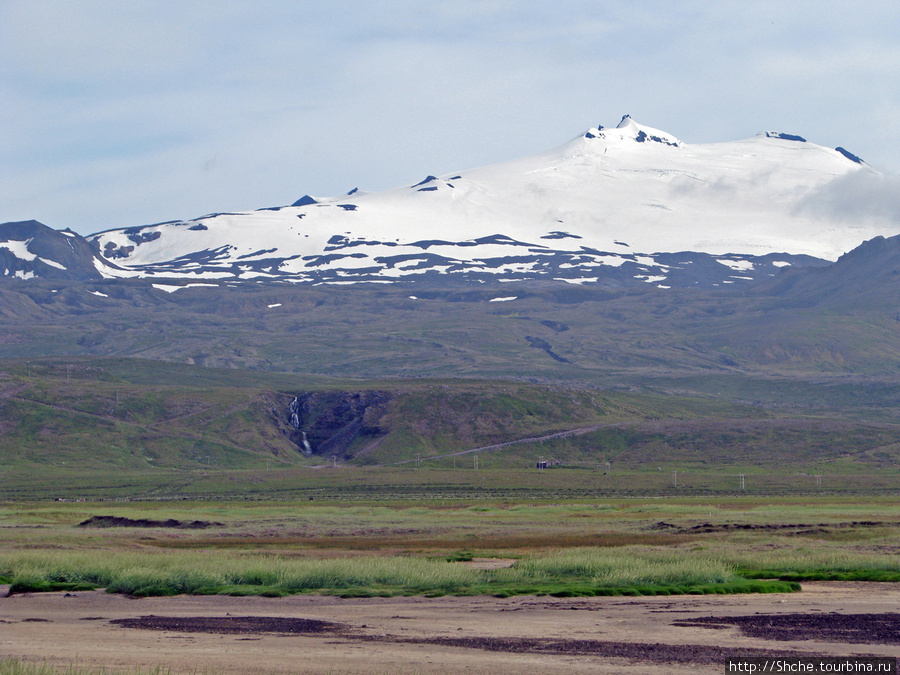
[{"x": 522, "y": 635}]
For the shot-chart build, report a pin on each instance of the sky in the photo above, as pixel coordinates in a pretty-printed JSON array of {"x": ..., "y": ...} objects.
[{"x": 117, "y": 113}]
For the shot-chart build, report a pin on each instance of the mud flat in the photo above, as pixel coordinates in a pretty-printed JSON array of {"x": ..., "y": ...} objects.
[{"x": 475, "y": 635}]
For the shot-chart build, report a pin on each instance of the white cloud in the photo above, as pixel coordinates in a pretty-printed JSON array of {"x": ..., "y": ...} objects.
[{"x": 860, "y": 197}]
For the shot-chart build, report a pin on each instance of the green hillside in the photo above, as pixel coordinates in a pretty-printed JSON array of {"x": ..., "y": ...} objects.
[{"x": 90, "y": 420}]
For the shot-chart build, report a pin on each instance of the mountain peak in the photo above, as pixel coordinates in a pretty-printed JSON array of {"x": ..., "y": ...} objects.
[
  {"x": 626, "y": 122},
  {"x": 628, "y": 129},
  {"x": 783, "y": 136}
]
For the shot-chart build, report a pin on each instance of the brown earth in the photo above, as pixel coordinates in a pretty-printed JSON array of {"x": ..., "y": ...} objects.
[{"x": 527, "y": 634}]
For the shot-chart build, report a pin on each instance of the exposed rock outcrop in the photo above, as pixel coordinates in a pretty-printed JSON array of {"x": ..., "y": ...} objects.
[{"x": 333, "y": 423}]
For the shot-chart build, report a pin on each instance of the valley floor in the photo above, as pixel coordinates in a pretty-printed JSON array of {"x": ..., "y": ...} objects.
[{"x": 524, "y": 634}]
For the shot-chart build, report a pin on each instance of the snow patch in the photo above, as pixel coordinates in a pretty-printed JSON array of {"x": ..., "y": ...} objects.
[
  {"x": 98, "y": 294},
  {"x": 583, "y": 280},
  {"x": 504, "y": 299},
  {"x": 354, "y": 281},
  {"x": 736, "y": 265},
  {"x": 19, "y": 249},
  {"x": 52, "y": 263}
]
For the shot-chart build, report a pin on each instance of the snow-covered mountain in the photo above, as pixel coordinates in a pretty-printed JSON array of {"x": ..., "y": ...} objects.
[
  {"x": 629, "y": 205},
  {"x": 31, "y": 250}
]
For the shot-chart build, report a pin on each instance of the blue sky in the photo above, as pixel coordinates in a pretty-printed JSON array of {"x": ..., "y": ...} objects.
[{"x": 118, "y": 113}]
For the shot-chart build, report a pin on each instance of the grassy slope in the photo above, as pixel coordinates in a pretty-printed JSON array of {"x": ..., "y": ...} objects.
[
  {"x": 107, "y": 426},
  {"x": 115, "y": 417},
  {"x": 99, "y": 414},
  {"x": 605, "y": 337}
]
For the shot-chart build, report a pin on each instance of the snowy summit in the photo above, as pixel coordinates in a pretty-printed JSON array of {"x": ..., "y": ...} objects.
[{"x": 613, "y": 204}]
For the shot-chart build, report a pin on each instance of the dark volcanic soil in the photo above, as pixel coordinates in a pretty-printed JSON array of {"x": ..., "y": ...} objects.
[
  {"x": 119, "y": 521},
  {"x": 831, "y": 627},
  {"x": 869, "y": 629},
  {"x": 783, "y": 528},
  {"x": 656, "y": 653},
  {"x": 234, "y": 625}
]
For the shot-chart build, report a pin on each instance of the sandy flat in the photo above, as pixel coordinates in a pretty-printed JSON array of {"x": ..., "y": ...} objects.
[{"x": 525, "y": 634}]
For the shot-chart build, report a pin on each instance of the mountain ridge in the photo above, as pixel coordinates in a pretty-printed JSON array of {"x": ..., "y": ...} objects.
[{"x": 621, "y": 207}]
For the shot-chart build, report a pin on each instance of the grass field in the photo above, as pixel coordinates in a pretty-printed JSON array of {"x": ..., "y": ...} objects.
[
  {"x": 490, "y": 483},
  {"x": 635, "y": 546}
]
